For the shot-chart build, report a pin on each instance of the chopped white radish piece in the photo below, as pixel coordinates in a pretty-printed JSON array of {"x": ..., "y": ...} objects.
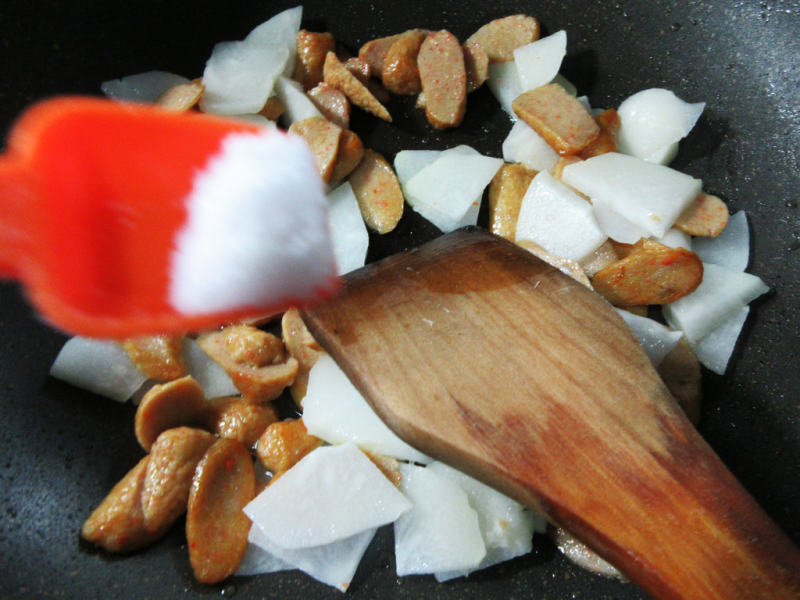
[
  {"x": 654, "y": 119},
  {"x": 441, "y": 531},
  {"x": 524, "y": 145},
  {"x": 239, "y": 77},
  {"x": 408, "y": 163},
  {"x": 259, "y": 120},
  {"x": 505, "y": 85},
  {"x": 614, "y": 225},
  {"x": 348, "y": 232},
  {"x": 298, "y": 105},
  {"x": 585, "y": 101},
  {"x": 333, "y": 564},
  {"x": 215, "y": 382},
  {"x": 280, "y": 30},
  {"x": 557, "y": 219},
  {"x": 675, "y": 238},
  {"x": 656, "y": 339},
  {"x": 144, "y": 87},
  {"x": 715, "y": 349},
  {"x": 471, "y": 216},
  {"x": 257, "y": 560},
  {"x": 506, "y": 526},
  {"x": 538, "y": 62},
  {"x": 333, "y": 493},
  {"x": 565, "y": 83},
  {"x": 722, "y": 293},
  {"x": 335, "y": 411},
  {"x": 100, "y": 366},
  {"x": 665, "y": 155},
  {"x": 650, "y": 196},
  {"x": 444, "y": 191},
  {"x": 731, "y": 248}
]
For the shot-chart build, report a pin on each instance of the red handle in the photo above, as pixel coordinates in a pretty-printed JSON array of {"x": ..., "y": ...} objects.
[{"x": 16, "y": 237}]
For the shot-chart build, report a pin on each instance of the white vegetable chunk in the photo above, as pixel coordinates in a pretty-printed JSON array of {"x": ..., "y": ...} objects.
[
  {"x": 557, "y": 219},
  {"x": 331, "y": 494},
  {"x": 722, "y": 293},
  {"x": 675, "y": 238},
  {"x": 505, "y": 85},
  {"x": 506, "y": 526},
  {"x": 280, "y": 30},
  {"x": 444, "y": 191},
  {"x": 665, "y": 155},
  {"x": 731, "y": 248},
  {"x": 654, "y": 119},
  {"x": 715, "y": 349},
  {"x": 650, "y": 196},
  {"x": 441, "y": 532},
  {"x": 239, "y": 77},
  {"x": 656, "y": 339},
  {"x": 538, "y": 62},
  {"x": 335, "y": 411},
  {"x": 215, "y": 382},
  {"x": 524, "y": 145},
  {"x": 568, "y": 86},
  {"x": 99, "y": 366},
  {"x": 348, "y": 232},
  {"x": 408, "y": 163},
  {"x": 333, "y": 564},
  {"x": 614, "y": 225},
  {"x": 297, "y": 104},
  {"x": 144, "y": 87}
]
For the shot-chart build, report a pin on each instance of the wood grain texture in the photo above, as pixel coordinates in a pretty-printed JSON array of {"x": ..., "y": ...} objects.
[{"x": 484, "y": 357}]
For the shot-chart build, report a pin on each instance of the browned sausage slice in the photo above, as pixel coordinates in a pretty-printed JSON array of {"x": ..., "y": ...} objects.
[
  {"x": 707, "y": 216},
  {"x": 378, "y": 192},
  {"x": 499, "y": 38},
  {"x": 284, "y": 443},
  {"x": 311, "y": 50},
  {"x": 374, "y": 52},
  {"x": 332, "y": 103},
  {"x": 173, "y": 458},
  {"x": 351, "y": 151},
  {"x": 444, "y": 79},
  {"x": 178, "y": 402},
  {"x": 558, "y": 117},
  {"x": 182, "y": 97},
  {"x": 506, "y": 191},
  {"x": 400, "y": 74},
  {"x": 239, "y": 419},
  {"x": 323, "y": 138},
  {"x": 117, "y": 524},
  {"x": 216, "y": 528},
  {"x": 476, "y": 62},
  {"x": 303, "y": 347},
  {"x": 337, "y": 75},
  {"x": 606, "y": 141},
  {"x": 157, "y": 356}
]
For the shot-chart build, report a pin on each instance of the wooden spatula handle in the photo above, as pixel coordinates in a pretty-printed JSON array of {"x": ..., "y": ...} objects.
[{"x": 484, "y": 357}]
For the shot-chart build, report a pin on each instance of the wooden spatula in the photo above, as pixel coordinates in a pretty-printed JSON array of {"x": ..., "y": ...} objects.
[{"x": 484, "y": 357}]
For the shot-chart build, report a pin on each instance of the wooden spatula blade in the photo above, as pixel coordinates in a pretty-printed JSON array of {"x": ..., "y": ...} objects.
[{"x": 483, "y": 356}]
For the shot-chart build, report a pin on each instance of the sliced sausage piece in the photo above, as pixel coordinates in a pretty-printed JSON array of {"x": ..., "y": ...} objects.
[
  {"x": 351, "y": 151},
  {"x": 239, "y": 419},
  {"x": 374, "y": 52},
  {"x": 651, "y": 274},
  {"x": 400, "y": 74},
  {"x": 476, "y": 62},
  {"x": 332, "y": 103},
  {"x": 117, "y": 524},
  {"x": 499, "y": 38},
  {"x": 283, "y": 444},
  {"x": 157, "y": 356},
  {"x": 216, "y": 528},
  {"x": 358, "y": 67},
  {"x": 311, "y": 50},
  {"x": 377, "y": 189},
  {"x": 388, "y": 465},
  {"x": 707, "y": 216},
  {"x": 506, "y": 191},
  {"x": 583, "y": 556},
  {"x": 444, "y": 79},
  {"x": 255, "y": 360},
  {"x": 600, "y": 258},
  {"x": 167, "y": 405},
  {"x": 303, "y": 347},
  {"x": 680, "y": 371},
  {"x": 323, "y": 138},
  {"x": 182, "y": 97},
  {"x": 558, "y": 117},
  {"x": 606, "y": 140},
  {"x": 337, "y": 75},
  {"x": 173, "y": 459},
  {"x": 273, "y": 109}
]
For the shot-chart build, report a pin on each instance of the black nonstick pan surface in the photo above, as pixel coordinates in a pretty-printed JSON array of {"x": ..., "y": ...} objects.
[{"x": 62, "y": 449}]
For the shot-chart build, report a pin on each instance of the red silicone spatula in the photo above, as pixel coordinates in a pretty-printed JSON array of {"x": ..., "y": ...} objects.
[{"x": 124, "y": 219}]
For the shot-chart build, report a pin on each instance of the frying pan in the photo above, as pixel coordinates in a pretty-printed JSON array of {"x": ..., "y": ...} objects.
[{"x": 61, "y": 449}]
